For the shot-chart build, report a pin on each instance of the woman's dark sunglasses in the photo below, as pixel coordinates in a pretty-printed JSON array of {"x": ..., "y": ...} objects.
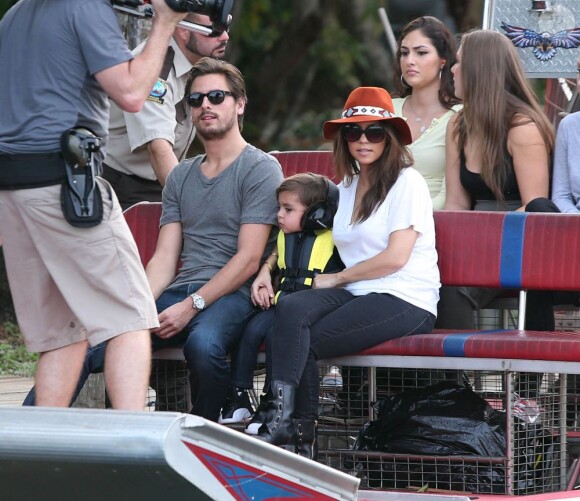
[
  {"x": 195, "y": 99},
  {"x": 374, "y": 133}
]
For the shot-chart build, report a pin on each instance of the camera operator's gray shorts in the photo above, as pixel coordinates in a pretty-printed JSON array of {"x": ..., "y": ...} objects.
[{"x": 70, "y": 284}]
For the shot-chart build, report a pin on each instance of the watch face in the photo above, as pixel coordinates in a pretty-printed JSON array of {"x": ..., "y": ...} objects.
[{"x": 199, "y": 302}]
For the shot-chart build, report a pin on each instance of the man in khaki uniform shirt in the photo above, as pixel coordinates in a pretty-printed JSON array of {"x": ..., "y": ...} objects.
[{"x": 145, "y": 146}]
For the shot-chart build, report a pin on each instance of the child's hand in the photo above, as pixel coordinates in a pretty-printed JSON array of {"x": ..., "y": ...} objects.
[
  {"x": 264, "y": 297},
  {"x": 262, "y": 290}
]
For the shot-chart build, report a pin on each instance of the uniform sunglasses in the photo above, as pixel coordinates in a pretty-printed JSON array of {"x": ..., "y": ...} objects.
[
  {"x": 195, "y": 99},
  {"x": 374, "y": 133},
  {"x": 214, "y": 33}
]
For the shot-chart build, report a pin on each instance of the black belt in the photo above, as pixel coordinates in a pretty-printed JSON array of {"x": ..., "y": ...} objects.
[
  {"x": 110, "y": 172},
  {"x": 31, "y": 170}
]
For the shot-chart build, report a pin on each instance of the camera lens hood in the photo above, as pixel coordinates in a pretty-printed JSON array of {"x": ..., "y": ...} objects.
[{"x": 217, "y": 10}]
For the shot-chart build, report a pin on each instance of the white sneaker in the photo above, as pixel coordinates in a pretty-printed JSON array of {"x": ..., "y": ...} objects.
[
  {"x": 332, "y": 379},
  {"x": 237, "y": 409},
  {"x": 265, "y": 412}
]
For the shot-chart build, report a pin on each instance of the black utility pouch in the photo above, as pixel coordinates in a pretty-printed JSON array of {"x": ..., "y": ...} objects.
[
  {"x": 79, "y": 213},
  {"x": 80, "y": 197}
]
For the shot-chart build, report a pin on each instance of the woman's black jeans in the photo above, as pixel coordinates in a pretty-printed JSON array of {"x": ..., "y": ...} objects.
[{"x": 321, "y": 323}]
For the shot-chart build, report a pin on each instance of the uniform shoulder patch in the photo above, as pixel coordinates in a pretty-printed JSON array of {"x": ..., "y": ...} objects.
[{"x": 158, "y": 91}]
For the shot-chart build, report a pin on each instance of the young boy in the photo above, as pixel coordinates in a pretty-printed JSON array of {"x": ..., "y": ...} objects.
[{"x": 307, "y": 204}]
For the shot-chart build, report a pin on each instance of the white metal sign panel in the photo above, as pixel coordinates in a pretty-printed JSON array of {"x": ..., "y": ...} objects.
[{"x": 546, "y": 33}]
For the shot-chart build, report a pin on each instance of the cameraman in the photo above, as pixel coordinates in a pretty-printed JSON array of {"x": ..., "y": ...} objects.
[
  {"x": 145, "y": 146},
  {"x": 72, "y": 286}
]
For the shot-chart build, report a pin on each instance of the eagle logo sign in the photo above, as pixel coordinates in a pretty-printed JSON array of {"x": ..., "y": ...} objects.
[{"x": 544, "y": 44}]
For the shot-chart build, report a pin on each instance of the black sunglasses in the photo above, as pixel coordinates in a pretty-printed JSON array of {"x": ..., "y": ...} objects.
[
  {"x": 195, "y": 99},
  {"x": 374, "y": 133},
  {"x": 214, "y": 33}
]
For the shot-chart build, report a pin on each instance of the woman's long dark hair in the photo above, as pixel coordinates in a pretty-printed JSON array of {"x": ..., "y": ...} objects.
[
  {"x": 382, "y": 174},
  {"x": 444, "y": 42}
]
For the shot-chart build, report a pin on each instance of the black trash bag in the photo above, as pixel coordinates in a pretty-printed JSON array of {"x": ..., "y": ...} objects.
[
  {"x": 446, "y": 419},
  {"x": 443, "y": 419}
]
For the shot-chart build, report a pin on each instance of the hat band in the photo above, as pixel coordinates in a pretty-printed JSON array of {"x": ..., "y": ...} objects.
[{"x": 367, "y": 111}]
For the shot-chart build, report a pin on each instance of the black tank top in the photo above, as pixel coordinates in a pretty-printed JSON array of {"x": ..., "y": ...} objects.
[{"x": 476, "y": 187}]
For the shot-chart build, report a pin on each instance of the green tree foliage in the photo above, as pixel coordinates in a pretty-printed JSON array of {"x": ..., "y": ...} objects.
[
  {"x": 5, "y": 5},
  {"x": 14, "y": 358},
  {"x": 301, "y": 59}
]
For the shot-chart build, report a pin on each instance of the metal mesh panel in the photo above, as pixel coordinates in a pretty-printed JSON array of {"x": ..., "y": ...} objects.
[
  {"x": 537, "y": 414},
  {"x": 568, "y": 319},
  {"x": 504, "y": 318},
  {"x": 414, "y": 473},
  {"x": 532, "y": 462},
  {"x": 169, "y": 386}
]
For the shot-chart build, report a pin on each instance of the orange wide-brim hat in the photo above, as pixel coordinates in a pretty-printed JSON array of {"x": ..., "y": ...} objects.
[{"x": 368, "y": 104}]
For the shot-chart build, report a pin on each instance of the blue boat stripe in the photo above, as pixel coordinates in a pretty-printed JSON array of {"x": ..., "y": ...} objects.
[
  {"x": 454, "y": 344},
  {"x": 512, "y": 250}
]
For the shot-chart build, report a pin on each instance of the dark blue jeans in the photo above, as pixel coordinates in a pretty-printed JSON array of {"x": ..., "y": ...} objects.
[
  {"x": 94, "y": 363},
  {"x": 322, "y": 323},
  {"x": 207, "y": 341},
  {"x": 246, "y": 353}
]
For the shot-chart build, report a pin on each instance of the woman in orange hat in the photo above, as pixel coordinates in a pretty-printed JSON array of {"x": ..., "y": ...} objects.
[{"x": 384, "y": 232}]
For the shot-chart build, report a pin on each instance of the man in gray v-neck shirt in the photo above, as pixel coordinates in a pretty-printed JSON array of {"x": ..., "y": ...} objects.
[{"x": 218, "y": 213}]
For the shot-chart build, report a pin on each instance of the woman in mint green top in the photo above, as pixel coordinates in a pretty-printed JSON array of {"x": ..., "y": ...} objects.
[
  {"x": 426, "y": 52},
  {"x": 429, "y": 151}
]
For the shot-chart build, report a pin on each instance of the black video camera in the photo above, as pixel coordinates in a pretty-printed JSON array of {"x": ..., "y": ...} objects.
[{"x": 217, "y": 10}]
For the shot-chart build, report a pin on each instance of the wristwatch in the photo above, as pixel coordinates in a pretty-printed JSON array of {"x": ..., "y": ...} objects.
[{"x": 198, "y": 302}]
